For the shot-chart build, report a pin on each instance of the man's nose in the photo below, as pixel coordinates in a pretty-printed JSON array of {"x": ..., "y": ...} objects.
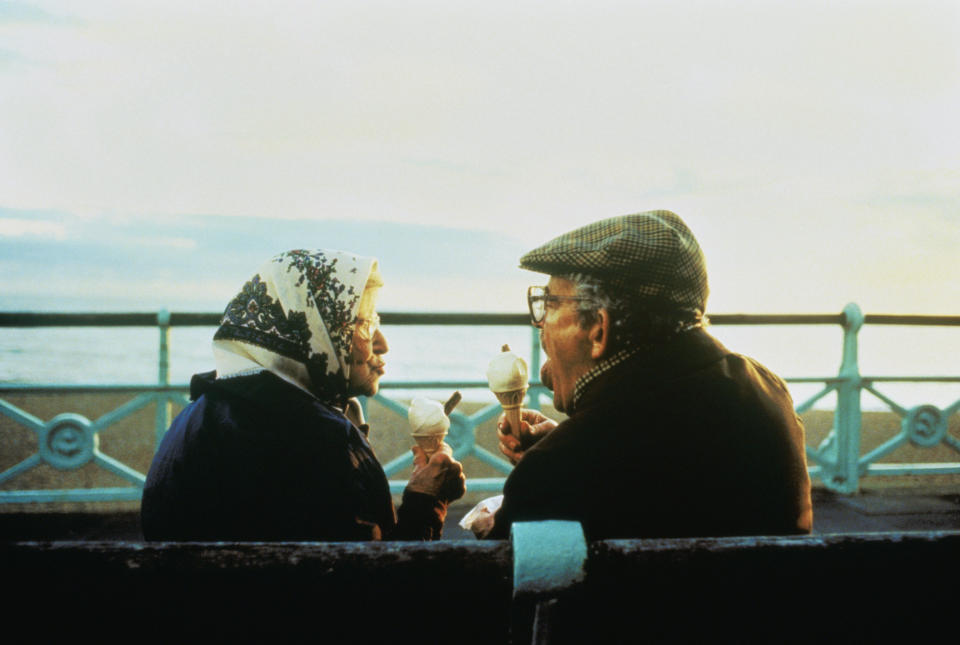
[{"x": 380, "y": 343}]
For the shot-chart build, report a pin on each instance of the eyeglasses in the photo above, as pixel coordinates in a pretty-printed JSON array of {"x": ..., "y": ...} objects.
[
  {"x": 537, "y": 299},
  {"x": 365, "y": 328}
]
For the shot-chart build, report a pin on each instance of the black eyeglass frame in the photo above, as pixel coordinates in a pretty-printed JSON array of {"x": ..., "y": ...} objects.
[{"x": 545, "y": 297}]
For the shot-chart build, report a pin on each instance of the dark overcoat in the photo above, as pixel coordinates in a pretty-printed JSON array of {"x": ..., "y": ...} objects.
[
  {"x": 687, "y": 439},
  {"x": 256, "y": 458}
]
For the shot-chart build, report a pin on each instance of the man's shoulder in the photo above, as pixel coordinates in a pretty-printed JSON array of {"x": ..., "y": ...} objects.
[
  {"x": 763, "y": 371},
  {"x": 646, "y": 372},
  {"x": 752, "y": 370},
  {"x": 701, "y": 355},
  {"x": 708, "y": 381}
]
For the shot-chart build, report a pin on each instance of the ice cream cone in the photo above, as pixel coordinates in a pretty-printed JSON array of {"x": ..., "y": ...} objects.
[
  {"x": 430, "y": 444},
  {"x": 507, "y": 376},
  {"x": 429, "y": 422}
]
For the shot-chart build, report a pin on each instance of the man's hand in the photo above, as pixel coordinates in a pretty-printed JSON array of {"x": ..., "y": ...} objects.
[
  {"x": 442, "y": 476},
  {"x": 533, "y": 427}
]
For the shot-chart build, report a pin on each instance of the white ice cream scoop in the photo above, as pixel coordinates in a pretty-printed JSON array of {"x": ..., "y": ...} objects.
[
  {"x": 427, "y": 418},
  {"x": 429, "y": 422},
  {"x": 507, "y": 372}
]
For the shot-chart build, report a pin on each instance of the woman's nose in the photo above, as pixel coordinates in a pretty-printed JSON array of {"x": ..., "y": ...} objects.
[{"x": 380, "y": 343}]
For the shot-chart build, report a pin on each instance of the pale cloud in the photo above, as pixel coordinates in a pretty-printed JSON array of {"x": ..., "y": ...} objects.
[
  {"x": 14, "y": 227},
  {"x": 161, "y": 242},
  {"x": 121, "y": 290}
]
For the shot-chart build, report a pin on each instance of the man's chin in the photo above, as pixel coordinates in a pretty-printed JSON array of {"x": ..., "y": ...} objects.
[
  {"x": 546, "y": 375},
  {"x": 558, "y": 404}
]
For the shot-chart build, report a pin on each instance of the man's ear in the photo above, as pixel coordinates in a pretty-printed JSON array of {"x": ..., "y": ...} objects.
[{"x": 600, "y": 335}]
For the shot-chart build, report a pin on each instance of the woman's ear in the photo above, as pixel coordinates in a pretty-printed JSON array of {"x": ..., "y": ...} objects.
[{"x": 600, "y": 335}]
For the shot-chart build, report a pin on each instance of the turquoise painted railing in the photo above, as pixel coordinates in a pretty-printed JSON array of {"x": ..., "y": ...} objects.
[{"x": 69, "y": 441}]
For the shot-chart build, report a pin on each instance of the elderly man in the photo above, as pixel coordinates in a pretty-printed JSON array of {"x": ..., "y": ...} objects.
[{"x": 669, "y": 433}]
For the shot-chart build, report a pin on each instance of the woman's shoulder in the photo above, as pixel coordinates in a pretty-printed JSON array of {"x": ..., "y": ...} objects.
[{"x": 263, "y": 402}]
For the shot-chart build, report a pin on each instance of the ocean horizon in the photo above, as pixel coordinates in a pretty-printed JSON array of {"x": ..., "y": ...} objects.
[{"x": 459, "y": 354}]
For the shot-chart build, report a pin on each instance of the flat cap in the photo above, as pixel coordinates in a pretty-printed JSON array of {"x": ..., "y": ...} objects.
[{"x": 650, "y": 256}]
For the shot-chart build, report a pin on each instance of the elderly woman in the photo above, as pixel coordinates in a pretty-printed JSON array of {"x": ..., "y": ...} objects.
[{"x": 273, "y": 446}]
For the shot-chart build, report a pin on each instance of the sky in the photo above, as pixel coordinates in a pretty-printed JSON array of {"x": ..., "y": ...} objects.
[{"x": 154, "y": 154}]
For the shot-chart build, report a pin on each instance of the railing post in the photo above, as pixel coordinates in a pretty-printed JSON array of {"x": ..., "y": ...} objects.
[
  {"x": 847, "y": 418},
  {"x": 164, "y": 408},
  {"x": 535, "y": 367}
]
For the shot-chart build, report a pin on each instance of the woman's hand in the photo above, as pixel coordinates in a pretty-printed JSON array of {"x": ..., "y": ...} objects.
[
  {"x": 442, "y": 476},
  {"x": 534, "y": 426}
]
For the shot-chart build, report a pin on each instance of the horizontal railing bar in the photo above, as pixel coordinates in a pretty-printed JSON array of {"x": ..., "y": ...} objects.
[
  {"x": 404, "y": 318},
  {"x": 434, "y": 385},
  {"x": 476, "y": 485},
  {"x": 207, "y": 319},
  {"x": 425, "y": 385},
  {"x": 896, "y": 319},
  {"x": 179, "y": 388},
  {"x": 188, "y": 319},
  {"x": 41, "y": 496},
  {"x": 914, "y": 469},
  {"x": 776, "y": 319},
  {"x": 146, "y": 388},
  {"x": 42, "y": 319},
  {"x": 911, "y": 379}
]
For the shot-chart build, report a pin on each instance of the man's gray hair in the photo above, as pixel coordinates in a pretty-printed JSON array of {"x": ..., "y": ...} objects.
[{"x": 633, "y": 321}]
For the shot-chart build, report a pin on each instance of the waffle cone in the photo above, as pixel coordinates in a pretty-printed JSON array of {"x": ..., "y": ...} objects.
[
  {"x": 512, "y": 398},
  {"x": 510, "y": 402},
  {"x": 430, "y": 443}
]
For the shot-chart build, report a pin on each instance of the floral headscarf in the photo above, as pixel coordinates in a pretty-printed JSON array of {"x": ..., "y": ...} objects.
[{"x": 295, "y": 318}]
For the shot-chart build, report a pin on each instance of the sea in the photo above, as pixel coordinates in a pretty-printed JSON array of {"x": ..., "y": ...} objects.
[{"x": 460, "y": 354}]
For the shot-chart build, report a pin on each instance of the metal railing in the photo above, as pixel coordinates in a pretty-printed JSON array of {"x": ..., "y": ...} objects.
[{"x": 69, "y": 441}]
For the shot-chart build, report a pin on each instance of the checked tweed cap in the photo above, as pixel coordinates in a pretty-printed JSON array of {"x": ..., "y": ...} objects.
[{"x": 650, "y": 256}]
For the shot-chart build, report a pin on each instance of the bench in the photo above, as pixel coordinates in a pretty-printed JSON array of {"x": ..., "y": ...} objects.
[{"x": 545, "y": 585}]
